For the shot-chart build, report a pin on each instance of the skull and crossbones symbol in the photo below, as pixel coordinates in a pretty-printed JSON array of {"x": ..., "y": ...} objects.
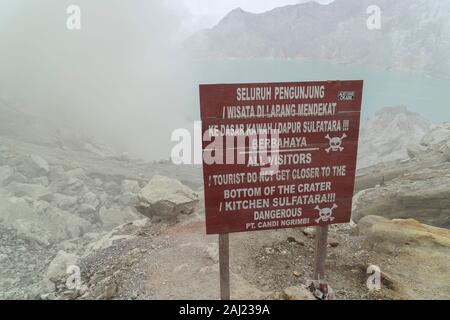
[
  {"x": 335, "y": 143},
  {"x": 325, "y": 213}
]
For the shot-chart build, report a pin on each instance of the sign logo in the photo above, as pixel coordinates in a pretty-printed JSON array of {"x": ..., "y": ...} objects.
[
  {"x": 335, "y": 143},
  {"x": 346, "y": 95},
  {"x": 325, "y": 214}
]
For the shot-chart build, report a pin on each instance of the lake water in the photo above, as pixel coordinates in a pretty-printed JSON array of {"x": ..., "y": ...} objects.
[{"x": 426, "y": 95}]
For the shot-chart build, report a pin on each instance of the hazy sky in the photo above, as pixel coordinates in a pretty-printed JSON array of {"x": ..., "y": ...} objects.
[
  {"x": 120, "y": 77},
  {"x": 198, "y": 14}
]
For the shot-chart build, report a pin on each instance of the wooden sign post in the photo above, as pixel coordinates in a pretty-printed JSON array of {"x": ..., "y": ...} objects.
[
  {"x": 320, "y": 253},
  {"x": 224, "y": 266},
  {"x": 278, "y": 155}
]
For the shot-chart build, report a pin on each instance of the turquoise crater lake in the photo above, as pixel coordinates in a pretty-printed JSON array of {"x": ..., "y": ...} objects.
[{"x": 420, "y": 93}]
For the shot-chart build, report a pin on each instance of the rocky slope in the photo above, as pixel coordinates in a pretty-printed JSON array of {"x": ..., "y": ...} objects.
[
  {"x": 145, "y": 260},
  {"x": 136, "y": 230},
  {"x": 61, "y": 196},
  {"x": 414, "y": 34},
  {"x": 415, "y": 256},
  {"x": 386, "y": 136},
  {"x": 418, "y": 188}
]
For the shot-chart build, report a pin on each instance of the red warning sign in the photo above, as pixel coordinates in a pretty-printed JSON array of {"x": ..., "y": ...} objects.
[{"x": 279, "y": 155}]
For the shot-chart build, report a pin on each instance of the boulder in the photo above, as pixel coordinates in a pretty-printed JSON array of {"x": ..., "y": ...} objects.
[
  {"x": 438, "y": 136},
  {"x": 212, "y": 251},
  {"x": 130, "y": 186},
  {"x": 6, "y": 172},
  {"x": 391, "y": 235},
  {"x": 39, "y": 221},
  {"x": 166, "y": 198},
  {"x": 435, "y": 145},
  {"x": 104, "y": 241},
  {"x": 416, "y": 254},
  {"x": 40, "y": 163},
  {"x": 424, "y": 196},
  {"x": 415, "y": 151},
  {"x": 57, "y": 173},
  {"x": 41, "y": 180},
  {"x": 127, "y": 199},
  {"x": 91, "y": 199},
  {"x": 446, "y": 151},
  {"x": 78, "y": 173},
  {"x": 112, "y": 187},
  {"x": 34, "y": 191},
  {"x": 98, "y": 182},
  {"x": 65, "y": 202},
  {"x": 33, "y": 166},
  {"x": 116, "y": 216},
  {"x": 86, "y": 209},
  {"x": 74, "y": 186},
  {"x": 57, "y": 269},
  {"x": 54, "y": 225},
  {"x": 367, "y": 222}
]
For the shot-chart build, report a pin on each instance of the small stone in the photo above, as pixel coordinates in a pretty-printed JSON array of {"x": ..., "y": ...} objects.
[
  {"x": 110, "y": 291},
  {"x": 297, "y": 293},
  {"x": 297, "y": 274},
  {"x": 49, "y": 296},
  {"x": 295, "y": 241},
  {"x": 310, "y": 232},
  {"x": 84, "y": 288},
  {"x": 130, "y": 186},
  {"x": 212, "y": 252},
  {"x": 135, "y": 251},
  {"x": 71, "y": 294},
  {"x": 269, "y": 250},
  {"x": 333, "y": 243}
]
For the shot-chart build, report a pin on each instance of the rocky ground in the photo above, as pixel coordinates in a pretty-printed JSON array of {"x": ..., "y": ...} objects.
[
  {"x": 417, "y": 188},
  {"x": 63, "y": 196},
  {"x": 143, "y": 260},
  {"x": 136, "y": 230}
]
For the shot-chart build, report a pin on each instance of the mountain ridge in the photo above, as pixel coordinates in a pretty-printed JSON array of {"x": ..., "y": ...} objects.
[
  {"x": 414, "y": 35},
  {"x": 386, "y": 136}
]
